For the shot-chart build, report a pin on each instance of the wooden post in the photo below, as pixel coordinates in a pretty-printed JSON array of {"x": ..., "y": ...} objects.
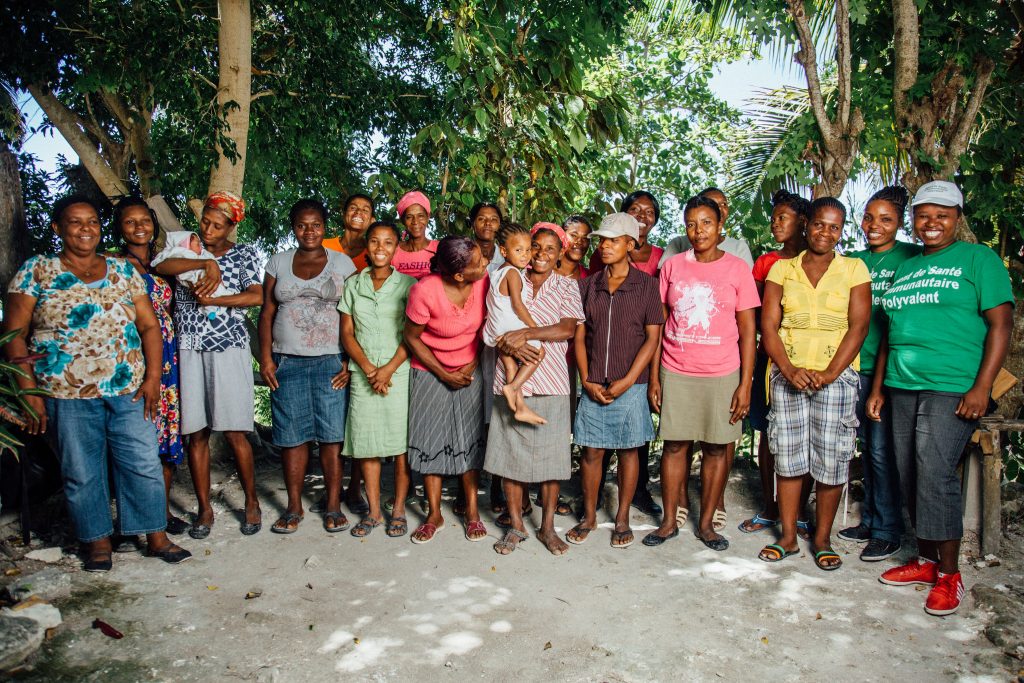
[{"x": 991, "y": 503}]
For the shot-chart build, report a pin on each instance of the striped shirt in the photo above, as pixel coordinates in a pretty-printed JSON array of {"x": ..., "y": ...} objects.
[
  {"x": 558, "y": 298},
  {"x": 616, "y": 323}
]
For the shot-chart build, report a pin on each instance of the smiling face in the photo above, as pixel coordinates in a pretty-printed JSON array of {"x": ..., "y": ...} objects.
[
  {"x": 214, "y": 228},
  {"x": 475, "y": 269},
  {"x": 546, "y": 250},
  {"x": 880, "y": 224},
  {"x": 309, "y": 229},
  {"x": 578, "y": 234},
  {"x": 79, "y": 229},
  {"x": 935, "y": 225},
  {"x": 415, "y": 220},
  {"x": 786, "y": 223},
  {"x": 137, "y": 226},
  {"x": 358, "y": 215},
  {"x": 486, "y": 224},
  {"x": 381, "y": 243},
  {"x": 517, "y": 250},
  {"x": 702, "y": 229},
  {"x": 643, "y": 211},
  {"x": 614, "y": 249},
  {"x": 824, "y": 230}
]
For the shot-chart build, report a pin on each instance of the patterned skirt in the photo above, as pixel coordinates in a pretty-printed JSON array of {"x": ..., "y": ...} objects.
[
  {"x": 169, "y": 416},
  {"x": 446, "y": 426}
]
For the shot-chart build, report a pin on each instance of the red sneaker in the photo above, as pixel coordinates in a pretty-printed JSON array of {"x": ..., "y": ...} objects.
[
  {"x": 945, "y": 597},
  {"x": 916, "y": 571}
]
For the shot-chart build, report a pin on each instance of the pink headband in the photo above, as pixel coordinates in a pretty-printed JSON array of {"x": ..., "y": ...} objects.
[
  {"x": 555, "y": 228},
  {"x": 410, "y": 198}
]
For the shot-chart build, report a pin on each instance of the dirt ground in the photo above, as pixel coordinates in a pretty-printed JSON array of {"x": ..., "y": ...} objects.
[{"x": 331, "y": 607}]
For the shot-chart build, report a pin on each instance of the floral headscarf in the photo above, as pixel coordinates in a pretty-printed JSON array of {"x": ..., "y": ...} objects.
[{"x": 231, "y": 205}]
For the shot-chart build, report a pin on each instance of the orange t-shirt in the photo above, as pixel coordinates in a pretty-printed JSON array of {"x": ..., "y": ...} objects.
[{"x": 335, "y": 244}]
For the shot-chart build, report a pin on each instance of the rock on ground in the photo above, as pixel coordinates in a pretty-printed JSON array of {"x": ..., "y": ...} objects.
[
  {"x": 49, "y": 584},
  {"x": 19, "y": 638}
]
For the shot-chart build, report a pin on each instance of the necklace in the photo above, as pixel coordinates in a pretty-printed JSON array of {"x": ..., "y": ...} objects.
[{"x": 86, "y": 272}]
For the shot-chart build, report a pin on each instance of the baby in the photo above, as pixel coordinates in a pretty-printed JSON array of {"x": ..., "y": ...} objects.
[
  {"x": 506, "y": 312},
  {"x": 188, "y": 245}
]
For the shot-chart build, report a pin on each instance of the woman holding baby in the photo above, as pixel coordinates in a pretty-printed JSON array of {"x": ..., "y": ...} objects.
[{"x": 213, "y": 349}]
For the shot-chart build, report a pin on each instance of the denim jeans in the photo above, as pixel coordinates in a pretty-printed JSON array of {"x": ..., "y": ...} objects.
[
  {"x": 88, "y": 433},
  {"x": 928, "y": 441},
  {"x": 881, "y": 511}
]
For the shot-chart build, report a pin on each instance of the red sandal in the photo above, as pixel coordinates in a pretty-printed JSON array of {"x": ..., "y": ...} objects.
[{"x": 476, "y": 527}]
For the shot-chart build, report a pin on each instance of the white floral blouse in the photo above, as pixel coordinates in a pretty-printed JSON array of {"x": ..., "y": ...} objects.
[{"x": 85, "y": 334}]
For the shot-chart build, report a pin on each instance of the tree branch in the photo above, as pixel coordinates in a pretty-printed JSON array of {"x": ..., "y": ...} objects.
[
  {"x": 844, "y": 61},
  {"x": 957, "y": 145},
  {"x": 906, "y": 44},
  {"x": 807, "y": 56},
  {"x": 71, "y": 128}
]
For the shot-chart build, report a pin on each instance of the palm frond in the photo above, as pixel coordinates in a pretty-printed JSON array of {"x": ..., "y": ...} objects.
[
  {"x": 772, "y": 113},
  {"x": 12, "y": 125}
]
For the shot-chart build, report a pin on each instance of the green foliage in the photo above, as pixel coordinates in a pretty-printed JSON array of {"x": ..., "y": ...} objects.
[{"x": 13, "y": 406}]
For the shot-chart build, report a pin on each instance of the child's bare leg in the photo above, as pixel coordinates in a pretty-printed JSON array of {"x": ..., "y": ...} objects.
[
  {"x": 523, "y": 412},
  {"x": 511, "y": 371}
]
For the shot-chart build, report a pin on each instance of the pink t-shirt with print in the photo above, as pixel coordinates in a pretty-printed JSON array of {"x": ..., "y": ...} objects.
[
  {"x": 452, "y": 333},
  {"x": 414, "y": 263},
  {"x": 701, "y": 336}
]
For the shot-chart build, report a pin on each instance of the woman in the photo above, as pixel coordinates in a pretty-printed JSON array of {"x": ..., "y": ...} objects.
[
  {"x": 356, "y": 216},
  {"x": 415, "y": 253},
  {"x": 788, "y": 224},
  {"x": 881, "y": 514},
  {"x": 136, "y": 224},
  {"x": 372, "y": 320},
  {"x": 302, "y": 362},
  {"x": 705, "y": 366},
  {"x": 214, "y": 357},
  {"x": 523, "y": 455},
  {"x": 484, "y": 219},
  {"x": 95, "y": 349},
  {"x": 950, "y": 316},
  {"x": 613, "y": 412},
  {"x": 577, "y": 229},
  {"x": 444, "y": 318},
  {"x": 815, "y": 315}
]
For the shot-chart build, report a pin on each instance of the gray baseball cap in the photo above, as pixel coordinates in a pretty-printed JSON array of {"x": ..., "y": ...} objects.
[
  {"x": 941, "y": 192},
  {"x": 618, "y": 225}
]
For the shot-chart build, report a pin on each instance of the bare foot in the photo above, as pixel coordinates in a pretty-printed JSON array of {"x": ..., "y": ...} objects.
[
  {"x": 551, "y": 541},
  {"x": 525, "y": 414},
  {"x": 512, "y": 397}
]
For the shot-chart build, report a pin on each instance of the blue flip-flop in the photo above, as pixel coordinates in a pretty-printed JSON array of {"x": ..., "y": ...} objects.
[{"x": 757, "y": 519}]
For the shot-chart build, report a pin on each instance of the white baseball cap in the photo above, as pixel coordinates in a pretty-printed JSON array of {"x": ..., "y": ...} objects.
[
  {"x": 941, "y": 192},
  {"x": 618, "y": 225}
]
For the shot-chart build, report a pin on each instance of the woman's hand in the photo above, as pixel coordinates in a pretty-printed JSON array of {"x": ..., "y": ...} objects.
[
  {"x": 800, "y": 378},
  {"x": 340, "y": 380},
  {"x": 208, "y": 283},
  {"x": 204, "y": 300},
  {"x": 515, "y": 344},
  {"x": 617, "y": 388},
  {"x": 149, "y": 392},
  {"x": 739, "y": 408},
  {"x": 268, "y": 371},
  {"x": 596, "y": 392},
  {"x": 974, "y": 404},
  {"x": 37, "y": 424},
  {"x": 654, "y": 395},
  {"x": 873, "y": 406},
  {"x": 381, "y": 381},
  {"x": 456, "y": 380}
]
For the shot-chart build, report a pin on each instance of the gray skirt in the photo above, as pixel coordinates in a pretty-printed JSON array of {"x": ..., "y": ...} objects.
[
  {"x": 697, "y": 408},
  {"x": 446, "y": 426},
  {"x": 530, "y": 453}
]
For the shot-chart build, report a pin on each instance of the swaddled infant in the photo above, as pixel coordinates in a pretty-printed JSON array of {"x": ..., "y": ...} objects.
[{"x": 186, "y": 244}]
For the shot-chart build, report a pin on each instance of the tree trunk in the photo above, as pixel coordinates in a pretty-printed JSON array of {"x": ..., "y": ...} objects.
[
  {"x": 234, "y": 49},
  {"x": 13, "y": 233}
]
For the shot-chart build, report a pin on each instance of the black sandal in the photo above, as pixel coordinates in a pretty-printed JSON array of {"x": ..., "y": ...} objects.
[
  {"x": 284, "y": 523},
  {"x": 504, "y": 520},
  {"x": 365, "y": 526},
  {"x": 339, "y": 519},
  {"x": 398, "y": 526}
]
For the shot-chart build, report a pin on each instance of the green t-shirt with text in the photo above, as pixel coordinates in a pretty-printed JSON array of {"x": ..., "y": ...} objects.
[
  {"x": 882, "y": 266},
  {"x": 936, "y": 327}
]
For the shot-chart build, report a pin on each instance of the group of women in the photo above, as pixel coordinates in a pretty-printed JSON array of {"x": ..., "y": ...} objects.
[{"x": 371, "y": 346}]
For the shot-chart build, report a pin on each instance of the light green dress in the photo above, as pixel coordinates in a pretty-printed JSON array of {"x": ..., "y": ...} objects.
[{"x": 377, "y": 426}]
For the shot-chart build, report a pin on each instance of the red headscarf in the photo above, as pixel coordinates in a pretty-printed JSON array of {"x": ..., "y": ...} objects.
[
  {"x": 231, "y": 205},
  {"x": 555, "y": 228},
  {"x": 410, "y": 198}
]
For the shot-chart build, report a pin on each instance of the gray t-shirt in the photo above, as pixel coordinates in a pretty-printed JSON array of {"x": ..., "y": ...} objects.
[
  {"x": 307, "y": 321},
  {"x": 730, "y": 245}
]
